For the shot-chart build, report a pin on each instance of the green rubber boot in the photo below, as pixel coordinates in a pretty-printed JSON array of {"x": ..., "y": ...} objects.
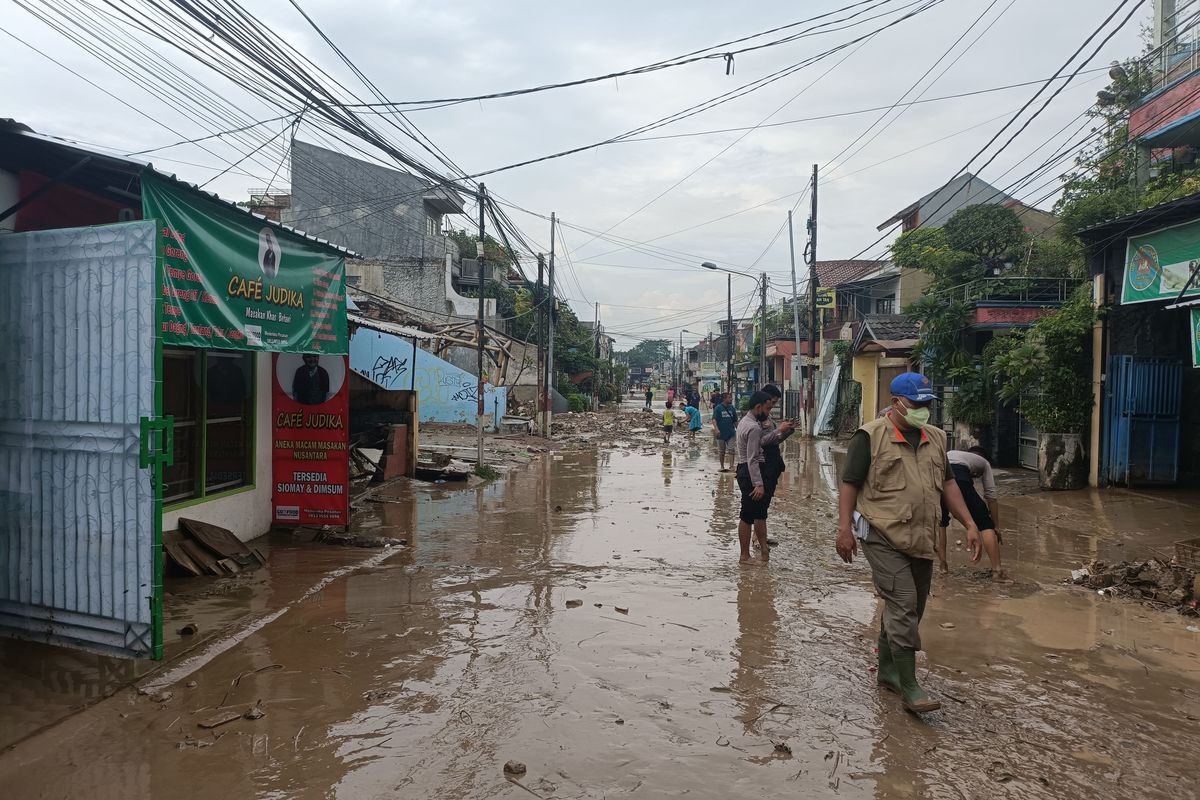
[
  {"x": 886, "y": 674},
  {"x": 915, "y": 698}
]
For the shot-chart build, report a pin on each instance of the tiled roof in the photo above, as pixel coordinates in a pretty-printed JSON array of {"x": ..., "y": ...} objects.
[
  {"x": 890, "y": 327},
  {"x": 835, "y": 273}
]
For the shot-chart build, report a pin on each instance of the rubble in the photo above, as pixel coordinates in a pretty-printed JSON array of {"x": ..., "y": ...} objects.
[
  {"x": 1154, "y": 581},
  {"x": 582, "y": 430}
]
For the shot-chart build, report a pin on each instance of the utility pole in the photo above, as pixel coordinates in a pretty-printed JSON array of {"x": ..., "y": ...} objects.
[
  {"x": 729, "y": 337},
  {"x": 549, "y": 387},
  {"x": 480, "y": 251},
  {"x": 812, "y": 308},
  {"x": 795, "y": 313},
  {"x": 596, "y": 349},
  {"x": 762, "y": 339},
  {"x": 540, "y": 402}
]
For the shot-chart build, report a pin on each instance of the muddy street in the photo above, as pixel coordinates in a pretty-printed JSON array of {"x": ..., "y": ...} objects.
[{"x": 586, "y": 616}]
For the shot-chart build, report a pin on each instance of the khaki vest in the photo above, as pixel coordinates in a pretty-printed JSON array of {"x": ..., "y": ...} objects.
[{"x": 902, "y": 495}]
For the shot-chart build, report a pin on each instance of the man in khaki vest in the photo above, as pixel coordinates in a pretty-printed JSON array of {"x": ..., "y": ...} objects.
[{"x": 894, "y": 480}]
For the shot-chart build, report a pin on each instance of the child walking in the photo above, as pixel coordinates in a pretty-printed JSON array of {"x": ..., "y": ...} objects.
[{"x": 668, "y": 422}]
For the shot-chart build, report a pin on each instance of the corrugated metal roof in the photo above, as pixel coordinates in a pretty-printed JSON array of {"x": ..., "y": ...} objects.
[
  {"x": 18, "y": 129},
  {"x": 388, "y": 327}
]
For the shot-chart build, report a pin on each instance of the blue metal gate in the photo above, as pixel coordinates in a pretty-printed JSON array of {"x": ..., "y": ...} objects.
[{"x": 1141, "y": 420}]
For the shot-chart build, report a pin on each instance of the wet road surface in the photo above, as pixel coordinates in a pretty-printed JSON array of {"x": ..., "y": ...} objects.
[{"x": 586, "y": 616}]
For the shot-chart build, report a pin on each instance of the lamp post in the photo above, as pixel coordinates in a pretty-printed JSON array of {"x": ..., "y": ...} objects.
[
  {"x": 762, "y": 355},
  {"x": 679, "y": 383}
]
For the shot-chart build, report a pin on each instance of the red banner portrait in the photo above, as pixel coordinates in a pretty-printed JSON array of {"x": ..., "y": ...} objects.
[{"x": 310, "y": 439}]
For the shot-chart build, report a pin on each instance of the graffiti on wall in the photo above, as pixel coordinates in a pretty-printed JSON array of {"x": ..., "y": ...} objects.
[
  {"x": 445, "y": 393},
  {"x": 388, "y": 369}
]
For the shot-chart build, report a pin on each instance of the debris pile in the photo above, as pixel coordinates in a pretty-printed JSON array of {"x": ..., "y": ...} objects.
[
  {"x": 586, "y": 429},
  {"x": 1155, "y": 581}
]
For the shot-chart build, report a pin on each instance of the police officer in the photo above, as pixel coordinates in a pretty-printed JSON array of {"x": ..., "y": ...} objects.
[{"x": 895, "y": 477}]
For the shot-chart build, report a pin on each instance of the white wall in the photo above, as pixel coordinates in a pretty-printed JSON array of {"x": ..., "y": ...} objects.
[{"x": 247, "y": 513}]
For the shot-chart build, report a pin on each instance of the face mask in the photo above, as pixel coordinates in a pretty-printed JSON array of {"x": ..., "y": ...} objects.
[{"x": 917, "y": 417}]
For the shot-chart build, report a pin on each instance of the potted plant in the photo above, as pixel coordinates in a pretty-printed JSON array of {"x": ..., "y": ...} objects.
[{"x": 1047, "y": 369}]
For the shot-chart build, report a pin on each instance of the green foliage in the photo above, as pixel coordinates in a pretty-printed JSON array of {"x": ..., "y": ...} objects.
[
  {"x": 494, "y": 252},
  {"x": 987, "y": 231},
  {"x": 928, "y": 250},
  {"x": 840, "y": 348},
  {"x": 1046, "y": 367},
  {"x": 1054, "y": 258},
  {"x": 576, "y": 403},
  {"x": 845, "y": 412},
  {"x": 973, "y": 400},
  {"x": 487, "y": 472},
  {"x": 649, "y": 353}
]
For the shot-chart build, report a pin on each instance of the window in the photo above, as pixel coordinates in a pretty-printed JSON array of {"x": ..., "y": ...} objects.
[
  {"x": 353, "y": 280},
  {"x": 433, "y": 224},
  {"x": 210, "y": 393},
  {"x": 885, "y": 305}
]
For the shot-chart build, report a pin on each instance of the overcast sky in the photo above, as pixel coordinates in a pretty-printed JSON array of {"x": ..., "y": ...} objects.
[{"x": 421, "y": 50}]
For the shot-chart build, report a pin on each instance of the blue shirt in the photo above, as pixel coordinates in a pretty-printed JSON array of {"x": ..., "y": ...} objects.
[
  {"x": 694, "y": 417},
  {"x": 726, "y": 417}
]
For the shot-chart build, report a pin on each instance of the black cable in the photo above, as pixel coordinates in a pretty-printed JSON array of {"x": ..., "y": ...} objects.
[{"x": 1027, "y": 104}]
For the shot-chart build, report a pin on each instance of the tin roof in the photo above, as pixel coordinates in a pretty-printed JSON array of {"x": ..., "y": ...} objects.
[{"x": 44, "y": 142}]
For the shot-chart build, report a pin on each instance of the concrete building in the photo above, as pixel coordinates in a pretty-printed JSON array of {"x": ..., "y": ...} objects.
[{"x": 394, "y": 219}]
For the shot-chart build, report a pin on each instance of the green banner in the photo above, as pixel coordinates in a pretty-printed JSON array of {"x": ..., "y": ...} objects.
[
  {"x": 1195, "y": 337},
  {"x": 232, "y": 281},
  {"x": 1158, "y": 265}
]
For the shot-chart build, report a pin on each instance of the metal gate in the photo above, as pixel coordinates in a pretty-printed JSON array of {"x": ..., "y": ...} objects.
[
  {"x": 80, "y": 525},
  {"x": 1142, "y": 400},
  {"x": 1027, "y": 443}
]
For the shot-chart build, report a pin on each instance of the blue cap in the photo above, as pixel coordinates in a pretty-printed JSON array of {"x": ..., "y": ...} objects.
[{"x": 913, "y": 386}]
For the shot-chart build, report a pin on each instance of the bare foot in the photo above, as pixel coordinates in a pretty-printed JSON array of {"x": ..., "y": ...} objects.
[
  {"x": 944, "y": 567},
  {"x": 749, "y": 561}
]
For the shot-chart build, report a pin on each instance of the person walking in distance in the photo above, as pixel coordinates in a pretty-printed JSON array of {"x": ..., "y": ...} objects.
[
  {"x": 668, "y": 422},
  {"x": 969, "y": 465},
  {"x": 724, "y": 426},
  {"x": 755, "y": 487},
  {"x": 649, "y": 398},
  {"x": 894, "y": 480}
]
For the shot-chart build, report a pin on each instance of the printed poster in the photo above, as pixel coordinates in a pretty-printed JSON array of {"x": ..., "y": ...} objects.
[
  {"x": 1159, "y": 265},
  {"x": 233, "y": 281},
  {"x": 310, "y": 412}
]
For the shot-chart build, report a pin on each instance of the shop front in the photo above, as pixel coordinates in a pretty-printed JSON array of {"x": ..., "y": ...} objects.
[
  {"x": 170, "y": 356},
  {"x": 1146, "y": 271}
]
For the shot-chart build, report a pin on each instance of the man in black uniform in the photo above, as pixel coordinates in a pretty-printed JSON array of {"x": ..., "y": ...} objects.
[{"x": 310, "y": 384}]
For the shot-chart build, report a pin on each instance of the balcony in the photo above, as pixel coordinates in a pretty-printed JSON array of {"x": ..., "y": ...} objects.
[{"x": 1014, "y": 302}]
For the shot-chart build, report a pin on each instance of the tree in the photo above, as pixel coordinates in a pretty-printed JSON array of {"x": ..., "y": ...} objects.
[
  {"x": 649, "y": 353},
  {"x": 987, "y": 231}
]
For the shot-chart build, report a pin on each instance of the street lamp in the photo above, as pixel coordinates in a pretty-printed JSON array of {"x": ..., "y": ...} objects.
[
  {"x": 679, "y": 383},
  {"x": 762, "y": 351}
]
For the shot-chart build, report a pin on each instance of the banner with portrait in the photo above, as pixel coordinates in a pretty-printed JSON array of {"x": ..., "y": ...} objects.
[
  {"x": 234, "y": 281},
  {"x": 310, "y": 412}
]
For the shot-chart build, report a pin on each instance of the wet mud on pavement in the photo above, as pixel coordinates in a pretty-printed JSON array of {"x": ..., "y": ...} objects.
[{"x": 588, "y": 618}]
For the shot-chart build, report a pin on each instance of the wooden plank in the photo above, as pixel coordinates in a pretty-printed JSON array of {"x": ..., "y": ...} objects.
[
  {"x": 219, "y": 540},
  {"x": 201, "y": 556},
  {"x": 173, "y": 547}
]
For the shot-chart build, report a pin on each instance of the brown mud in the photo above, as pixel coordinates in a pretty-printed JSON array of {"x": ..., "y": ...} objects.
[{"x": 421, "y": 675}]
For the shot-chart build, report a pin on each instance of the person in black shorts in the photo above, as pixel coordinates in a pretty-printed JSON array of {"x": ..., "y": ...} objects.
[
  {"x": 969, "y": 465},
  {"x": 752, "y": 477}
]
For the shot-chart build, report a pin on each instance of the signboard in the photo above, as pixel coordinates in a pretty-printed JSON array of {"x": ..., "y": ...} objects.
[
  {"x": 1158, "y": 265},
  {"x": 232, "y": 281},
  {"x": 826, "y": 297},
  {"x": 1195, "y": 337},
  {"x": 712, "y": 369},
  {"x": 310, "y": 419}
]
